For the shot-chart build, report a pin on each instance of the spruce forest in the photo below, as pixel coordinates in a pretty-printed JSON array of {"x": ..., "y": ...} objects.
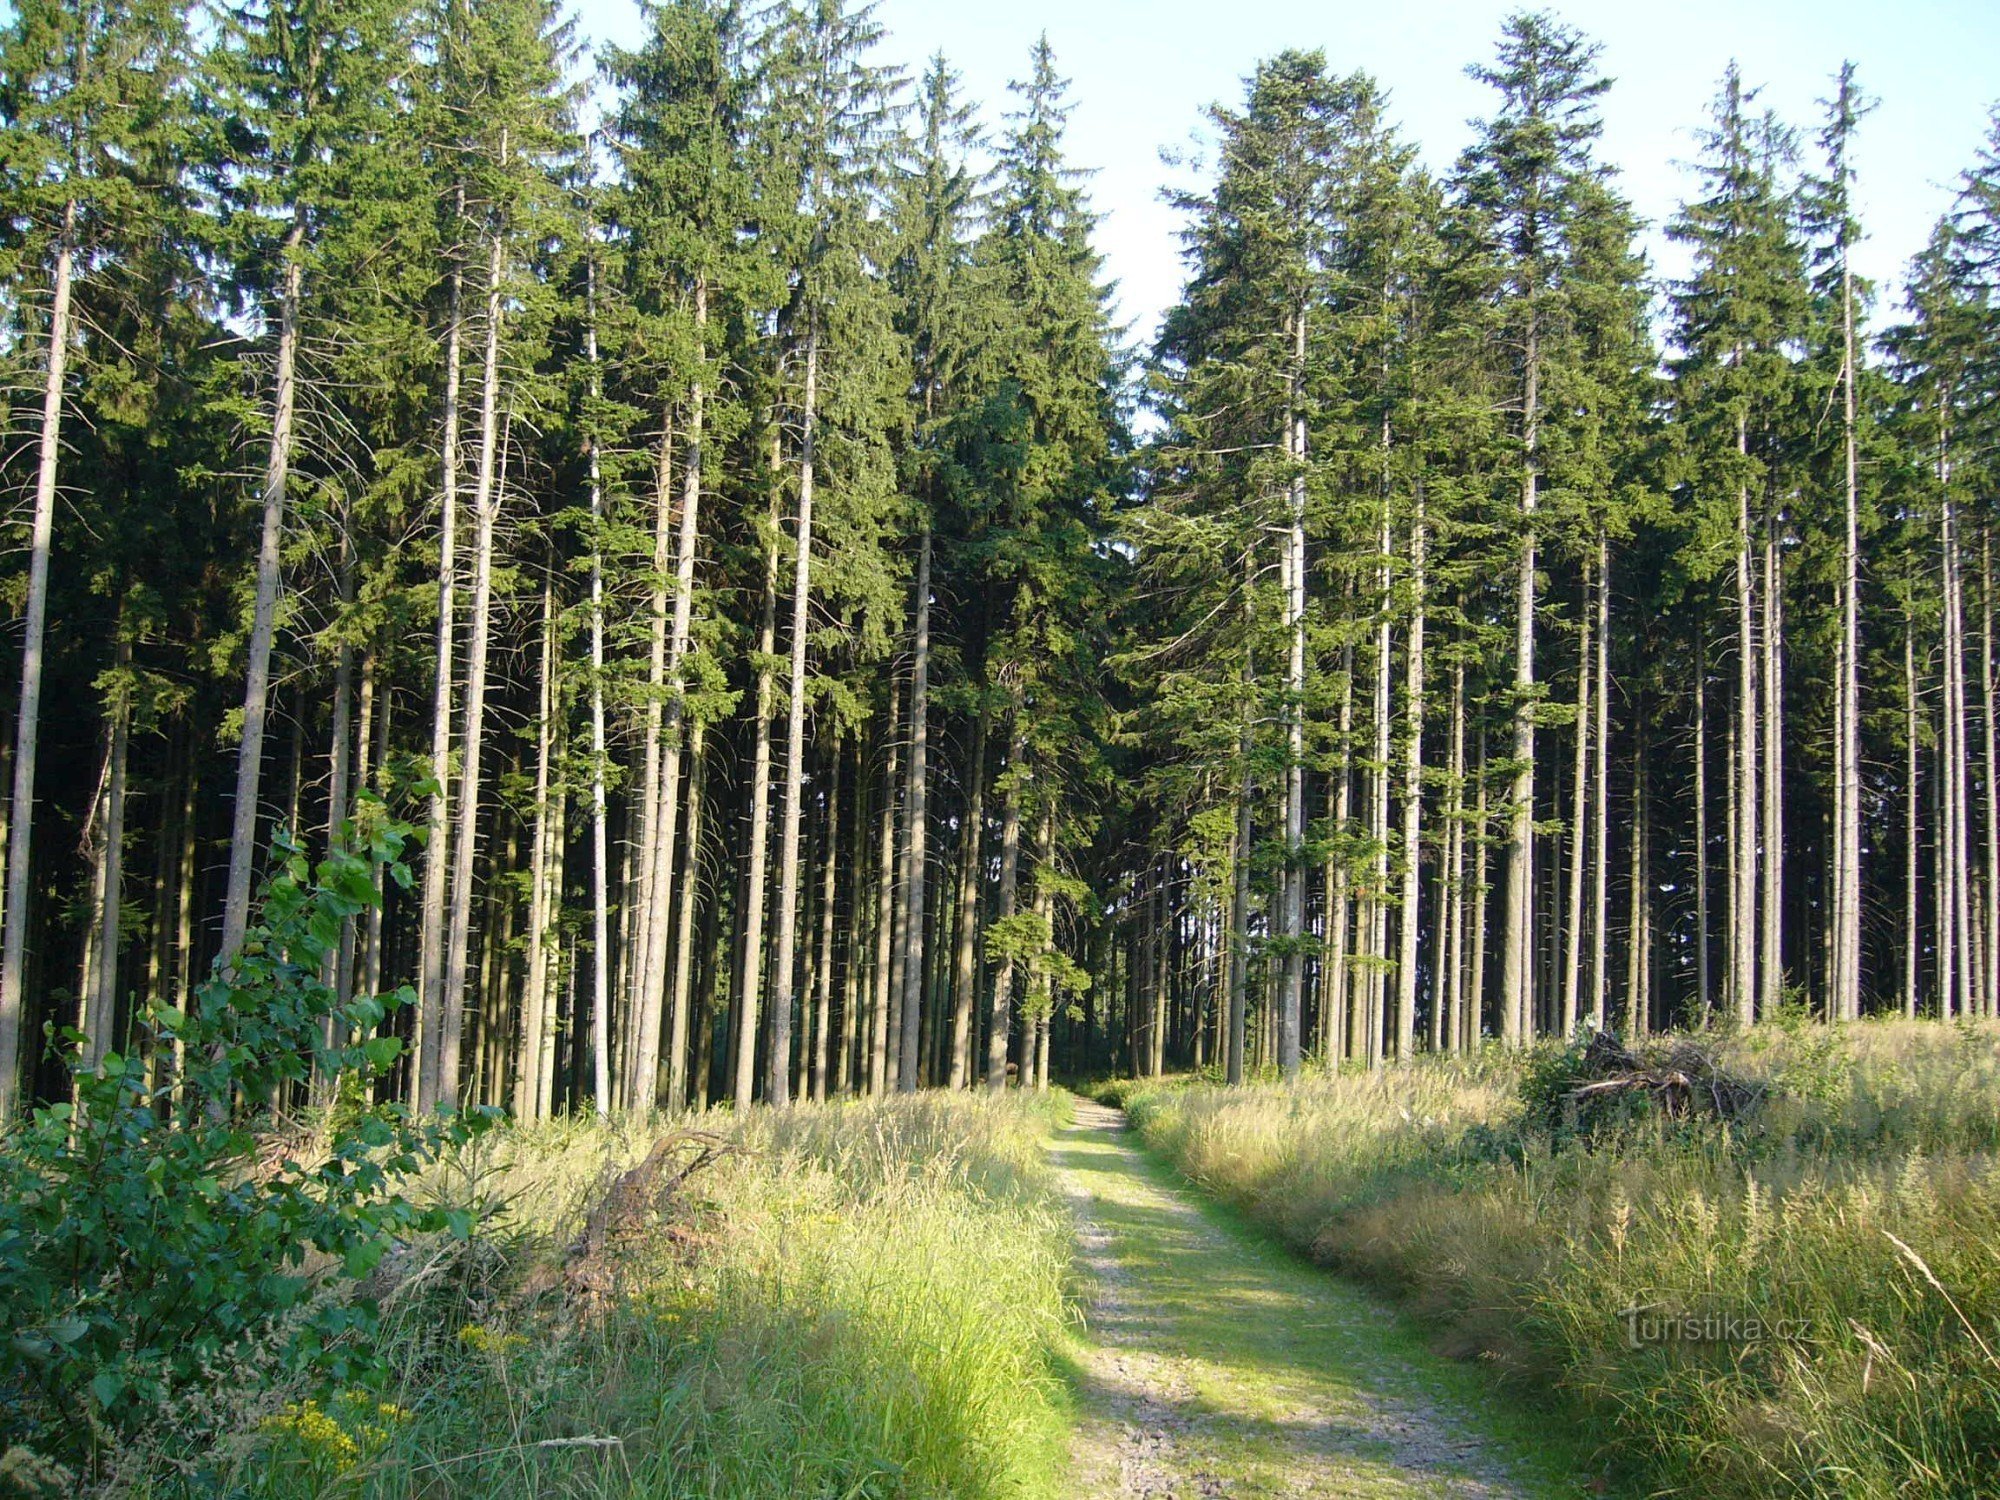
[{"x": 663, "y": 566}]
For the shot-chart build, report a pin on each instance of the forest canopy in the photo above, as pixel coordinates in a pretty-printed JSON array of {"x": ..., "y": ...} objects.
[{"x": 818, "y": 654}]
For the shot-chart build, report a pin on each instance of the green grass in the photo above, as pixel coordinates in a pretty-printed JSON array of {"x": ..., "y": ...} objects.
[
  {"x": 861, "y": 1300},
  {"x": 1861, "y": 1209},
  {"x": 1283, "y": 1380}
]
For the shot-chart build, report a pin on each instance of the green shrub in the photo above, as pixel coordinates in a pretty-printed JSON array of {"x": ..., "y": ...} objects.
[{"x": 150, "y": 1247}]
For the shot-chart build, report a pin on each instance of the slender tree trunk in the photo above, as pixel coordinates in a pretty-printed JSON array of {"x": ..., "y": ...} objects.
[
  {"x": 1704, "y": 981},
  {"x": 1600, "y": 888},
  {"x": 536, "y": 1000},
  {"x": 916, "y": 841},
  {"x": 1239, "y": 909},
  {"x": 1579, "y": 835},
  {"x": 1773, "y": 892},
  {"x": 1990, "y": 970},
  {"x": 486, "y": 512},
  {"x": 1911, "y": 819},
  {"x": 264, "y": 608},
  {"x": 1239, "y": 903},
  {"x": 882, "y": 985},
  {"x": 646, "y": 921},
  {"x": 783, "y": 976},
  {"x": 684, "y": 940},
  {"x": 850, "y": 984},
  {"x": 1743, "y": 896},
  {"x": 103, "y": 1005},
  {"x": 1378, "y": 792},
  {"x": 750, "y": 982},
  {"x": 1957, "y": 782},
  {"x": 1339, "y": 971},
  {"x": 27, "y": 734},
  {"x": 964, "y": 965},
  {"x": 1846, "y": 999},
  {"x": 600, "y": 853},
  {"x": 1000, "y": 1016},
  {"x": 828, "y": 890},
  {"x": 1451, "y": 889},
  {"x": 1517, "y": 999},
  {"x": 1293, "y": 894},
  {"x": 1635, "y": 977},
  {"x": 1413, "y": 791},
  {"x": 437, "y": 863},
  {"x": 1478, "y": 896},
  {"x": 338, "y": 967}
]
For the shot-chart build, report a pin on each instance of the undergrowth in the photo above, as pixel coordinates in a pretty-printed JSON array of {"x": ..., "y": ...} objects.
[
  {"x": 853, "y": 1300},
  {"x": 1804, "y": 1301}
]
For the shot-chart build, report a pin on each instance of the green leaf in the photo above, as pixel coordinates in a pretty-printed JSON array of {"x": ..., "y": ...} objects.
[
  {"x": 382, "y": 1050},
  {"x": 364, "y": 1257}
]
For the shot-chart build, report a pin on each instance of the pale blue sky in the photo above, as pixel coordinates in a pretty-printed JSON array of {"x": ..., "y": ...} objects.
[{"x": 1142, "y": 72}]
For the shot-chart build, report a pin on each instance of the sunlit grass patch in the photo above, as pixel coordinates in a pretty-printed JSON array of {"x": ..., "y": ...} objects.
[{"x": 1805, "y": 1302}]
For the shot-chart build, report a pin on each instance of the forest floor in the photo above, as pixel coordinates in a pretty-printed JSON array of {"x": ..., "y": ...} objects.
[{"x": 1213, "y": 1362}]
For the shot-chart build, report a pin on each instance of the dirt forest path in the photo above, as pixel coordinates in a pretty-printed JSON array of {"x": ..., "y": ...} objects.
[{"x": 1213, "y": 1363}]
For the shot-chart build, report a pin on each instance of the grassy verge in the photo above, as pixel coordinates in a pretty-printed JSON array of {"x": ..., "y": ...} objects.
[
  {"x": 1819, "y": 1284},
  {"x": 859, "y": 1300}
]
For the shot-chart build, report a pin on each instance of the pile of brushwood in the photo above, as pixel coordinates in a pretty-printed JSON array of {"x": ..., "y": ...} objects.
[{"x": 1596, "y": 1086}]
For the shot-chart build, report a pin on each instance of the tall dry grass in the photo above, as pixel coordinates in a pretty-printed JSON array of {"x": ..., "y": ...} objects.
[
  {"x": 855, "y": 1300},
  {"x": 1804, "y": 1303}
]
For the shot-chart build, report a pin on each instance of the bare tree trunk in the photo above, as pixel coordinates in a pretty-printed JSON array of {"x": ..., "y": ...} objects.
[
  {"x": 783, "y": 978},
  {"x": 828, "y": 890},
  {"x": 1704, "y": 981},
  {"x": 1477, "y": 897},
  {"x": 1413, "y": 791},
  {"x": 600, "y": 854},
  {"x": 103, "y": 1005},
  {"x": 1957, "y": 997},
  {"x": 27, "y": 734},
  {"x": 1517, "y": 998},
  {"x": 1579, "y": 834},
  {"x": 1000, "y": 1016},
  {"x": 1451, "y": 904},
  {"x": 850, "y": 983},
  {"x": 1911, "y": 824},
  {"x": 683, "y": 999},
  {"x": 1340, "y": 975},
  {"x": 1239, "y": 910},
  {"x": 750, "y": 983},
  {"x": 536, "y": 1020},
  {"x": 1239, "y": 901},
  {"x": 1773, "y": 893},
  {"x": 648, "y": 922},
  {"x": 437, "y": 864},
  {"x": 1293, "y": 924},
  {"x": 916, "y": 840},
  {"x": 1991, "y": 969},
  {"x": 370, "y": 963},
  {"x": 882, "y": 984},
  {"x": 1846, "y": 989},
  {"x": 486, "y": 511},
  {"x": 1035, "y": 1039},
  {"x": 964, "y": 966},
  {"x": 1378, "y": 797},
  {"x": 264, "y": 608},
  {"x": 1600, "y": 888},
  {"x": 1743, "y": 896},
  {"x": 338, "y": 967},
  {"x": 1635, "y": 979}
]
